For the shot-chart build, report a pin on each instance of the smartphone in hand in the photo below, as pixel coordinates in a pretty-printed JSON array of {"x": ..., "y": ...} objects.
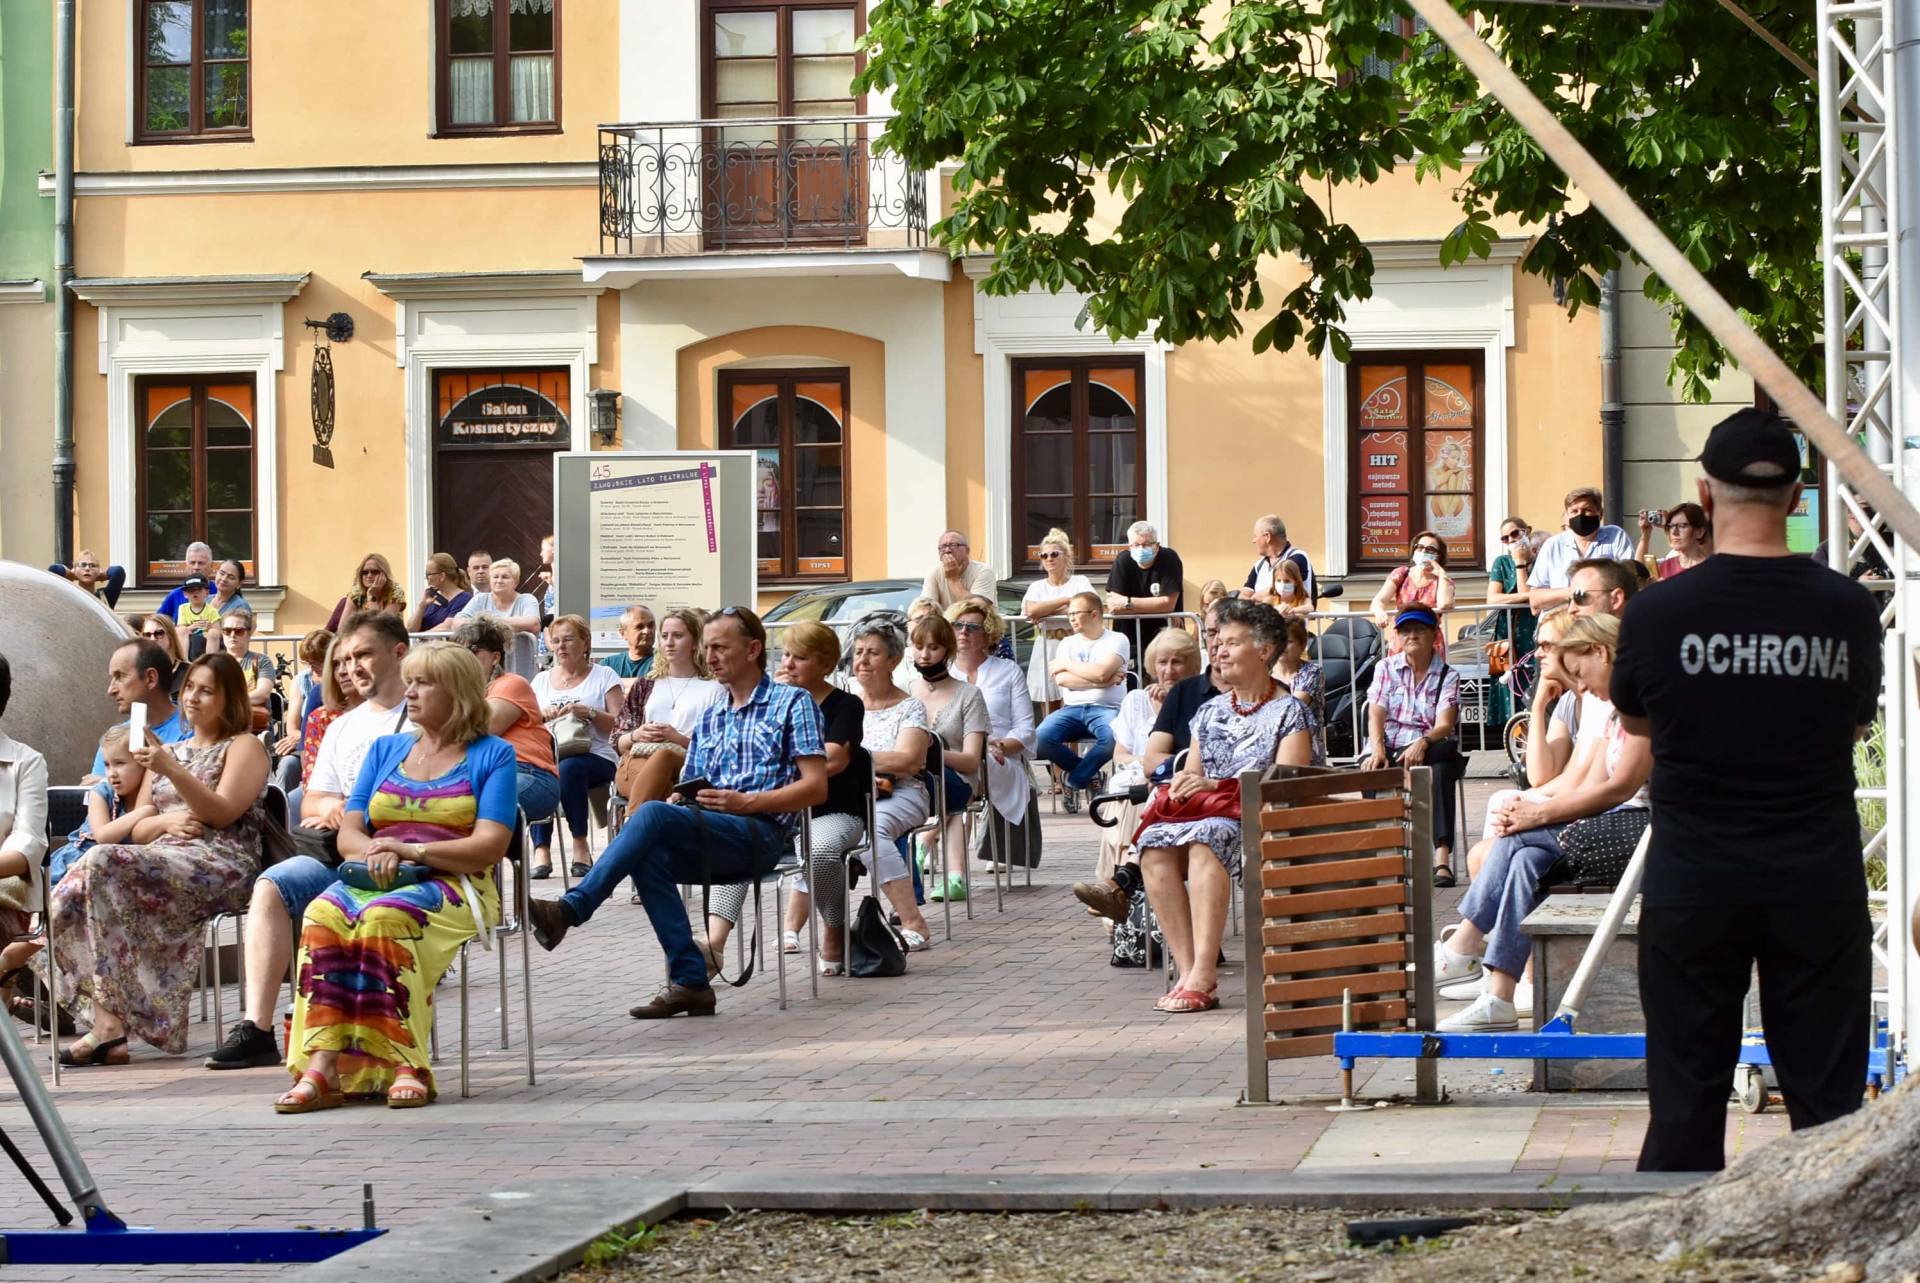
[{"x": 689, "y": 790}]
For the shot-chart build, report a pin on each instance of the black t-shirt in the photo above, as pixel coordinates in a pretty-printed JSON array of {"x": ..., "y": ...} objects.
[
  {"x": 1754, "y": 673},
  {"x": 1178, "y": 708},
  {"x": 1130, "y": 579},
  {"x": 843, "y": 718}
]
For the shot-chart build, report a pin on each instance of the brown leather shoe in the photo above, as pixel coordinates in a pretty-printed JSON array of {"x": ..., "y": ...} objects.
[
  {"x": 674, "y": 999},
  {"x": 550, "y": 922},
  {"x": 1103, "y": 899}
]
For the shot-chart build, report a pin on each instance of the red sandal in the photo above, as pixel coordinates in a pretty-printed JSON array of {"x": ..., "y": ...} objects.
[
  {"x": 1188, "y": 1001},
  {"x": 325, "y": 1095}
]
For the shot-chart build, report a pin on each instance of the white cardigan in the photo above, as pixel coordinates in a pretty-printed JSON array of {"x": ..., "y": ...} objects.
[
  {"x": 23, "y": 819},
  {"x": 1010, "y": 709}
]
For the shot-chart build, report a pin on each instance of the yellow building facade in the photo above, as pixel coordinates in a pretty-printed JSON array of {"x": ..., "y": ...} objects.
[{"x": 521, "y": 202}]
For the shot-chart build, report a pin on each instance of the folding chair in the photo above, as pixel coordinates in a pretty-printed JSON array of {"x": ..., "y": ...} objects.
[
  {"x": 66, "y": 811},
  {"x": 274, "y": 803},
  {"x": 936, "y": 823},
  {"x": 519, "y": 844}
]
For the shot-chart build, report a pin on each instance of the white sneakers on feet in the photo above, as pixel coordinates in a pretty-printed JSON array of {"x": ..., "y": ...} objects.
[
  {"x": 1488, "y": 1014},
  {"x": 1449, "y": 966}
]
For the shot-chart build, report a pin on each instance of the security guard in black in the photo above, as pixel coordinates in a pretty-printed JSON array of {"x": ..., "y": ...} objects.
[{"x": 1753, "y": 673}]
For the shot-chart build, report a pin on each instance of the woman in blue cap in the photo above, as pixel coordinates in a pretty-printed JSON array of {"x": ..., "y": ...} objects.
[{"x": 1413, "y": 711}]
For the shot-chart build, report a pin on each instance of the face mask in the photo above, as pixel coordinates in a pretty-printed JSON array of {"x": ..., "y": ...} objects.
[
  {"x": 1422, "y": 558},
  {"x": 932, "y": 672},
  {"x": 1143, "y": 556},
  {"x": 1286, "y": 590},
  {"x": 1583, "y": 524}
]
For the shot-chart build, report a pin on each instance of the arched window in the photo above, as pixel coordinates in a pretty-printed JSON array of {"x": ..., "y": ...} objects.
[
  {"x": 1078, "y": 454},
  {"x": 795, "y": 422},
  {"x": 196, "y": 471},
  {"x": 1418, "y": 423}
]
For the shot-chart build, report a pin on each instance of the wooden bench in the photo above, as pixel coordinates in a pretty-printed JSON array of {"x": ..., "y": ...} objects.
[{"x": 1561, "y": 929}]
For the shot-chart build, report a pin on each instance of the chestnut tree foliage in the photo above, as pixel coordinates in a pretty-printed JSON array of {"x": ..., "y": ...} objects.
[{"x": 1226, "y": 130}]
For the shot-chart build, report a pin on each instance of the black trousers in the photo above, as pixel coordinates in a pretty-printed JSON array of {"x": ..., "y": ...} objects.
[
  {"x": 1816, "y": 971},
  {"x": 1448, "y": 765}
]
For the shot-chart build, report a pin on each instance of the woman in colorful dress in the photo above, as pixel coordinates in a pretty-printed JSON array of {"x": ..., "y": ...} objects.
[
  {"x": 1190, "y": 844},
  {"x": 128, "y": 917},
  {"x": 430, "y": 816}
]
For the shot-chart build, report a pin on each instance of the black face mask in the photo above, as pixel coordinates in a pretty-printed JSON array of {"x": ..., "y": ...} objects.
[
  {"x": 932, "y": 672},
  {"x": 1583, "y": 524}
]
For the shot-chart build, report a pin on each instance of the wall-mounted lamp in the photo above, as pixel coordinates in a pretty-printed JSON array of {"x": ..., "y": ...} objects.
[{"x": 604, "y": 406}]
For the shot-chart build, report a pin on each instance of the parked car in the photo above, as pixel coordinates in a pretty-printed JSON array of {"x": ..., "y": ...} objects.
[{"x": 844, "y": 603}]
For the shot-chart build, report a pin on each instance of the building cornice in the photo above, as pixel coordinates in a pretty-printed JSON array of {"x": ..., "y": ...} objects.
[
  {"x": 413, "y": 286},
  {"x": 23, "y": 291},
  {"x": 119, "y": 290},
  {"x": 331, "y": 178},
  {"x": 1505, "y": 251}
]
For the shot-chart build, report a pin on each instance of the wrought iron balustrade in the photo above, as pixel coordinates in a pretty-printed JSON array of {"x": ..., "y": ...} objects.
[{"x": 766, "y": 183}]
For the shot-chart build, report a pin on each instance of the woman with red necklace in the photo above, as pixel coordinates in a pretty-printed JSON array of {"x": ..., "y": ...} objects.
[{"x": 1190, "y": 839}]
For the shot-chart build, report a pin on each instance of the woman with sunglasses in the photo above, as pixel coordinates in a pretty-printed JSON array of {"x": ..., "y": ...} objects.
[
  {"x": 1514, "y": 624},
  {"x": 1688, "y": 535},
  {"x": 372, "y": 588},
  {"x": 163, "y": 633},
  {"x": 1423, "y": 581},
  {"x": 1045, "y": 606},
  {"x": 236, "y": 635}
]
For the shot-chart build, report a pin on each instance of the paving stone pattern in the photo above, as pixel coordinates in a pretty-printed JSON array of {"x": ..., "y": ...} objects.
[{"x": 1014, "y": 1048}]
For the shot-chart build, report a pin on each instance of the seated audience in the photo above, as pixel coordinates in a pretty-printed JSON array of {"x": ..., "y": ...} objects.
[
  {"x": 1213, "y": 590},
  {"x": 957, "y": 714},
  {"x": 1290, "y": 590},
  {"x": 1148, "y": 580},
  {"x": 1172, "y": 657},
  {"x": 197, "y": 616},
  {"x": 236, "y": 636},
  {"x": 199, "y": 562},
  {"x": 104, "y": 582},
  {"x": 373, "y": 588},
  {"x": 163, "y": 633},
  {"x": 1423, "y": 581},
  {"x": 1689, "y": 539},
  {"x": 1090, "y": 666},
  {"x": 1585, "y": 538},
  {"x": 430, "y": 818},
  {"x": 811, "y": 651},
  {"x": 445, "y": 594},
  {"x": 895, "y": 732},
  {"x": 956, "y": 576},
  {"x": 1190, "y": 837},
  {"x": 338, "y": 696},
  {"x": 1599, "y": 819},
  {"x": 636, "y": 630},
  {"x": 657, "y": 718},
  {"x": 513, "y": 608},
  {"x": 760, "y": 754},
  {"x": 1045, "y": 607},
  {"x": 480, "y": 571},
  {"x": 1512, "y": 626},
  {"x": 978, "y": 630},
  {"x": 1413, "y": 710},
  {"x": 1173, "y": 725},
  {"x": 128, "y": 917},
  {"x": 367, "y": 655},
  {"x": 513, "y": 713},
  {"x": 1271, "y": 543},
  {"x": 579, "y": 701},
  {"x": 313, "y": 657},
  {"x": 23, "y": 831},
  {"x": 1002, "y": 649},
  {"x": 229, "y": 577},
  {"x": 1303, "y": 679},
  {"x": 139, "y": 672}
]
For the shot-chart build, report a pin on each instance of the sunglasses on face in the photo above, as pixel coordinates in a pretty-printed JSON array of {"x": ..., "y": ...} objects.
[
  {"x": 153, "y": 634},
  {"x": 370, "y": 570},
  {"x": 1051, "y": 556},
  {"x": 969, "y": 628},
  {"x": 1581, "y": 596},
  {"x": 234, "y": 632},
  {"x": 1513, "y": 536},
  {"x": 1426, "y": 547}
]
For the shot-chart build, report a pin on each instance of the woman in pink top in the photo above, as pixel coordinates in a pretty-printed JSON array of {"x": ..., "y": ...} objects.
[
  {"x": 1688, "y": 534},
  {"x": 1423, "y": 581}
]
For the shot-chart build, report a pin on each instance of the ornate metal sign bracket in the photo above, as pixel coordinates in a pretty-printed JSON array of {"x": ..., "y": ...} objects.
[{"x": 337, "y": 328}]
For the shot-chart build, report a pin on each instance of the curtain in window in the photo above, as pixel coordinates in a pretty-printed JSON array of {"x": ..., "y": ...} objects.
[
  {"x": 532, "y": 75},
  {"x": 471, "y": 81},
  {"x": 532, "y": 6}
]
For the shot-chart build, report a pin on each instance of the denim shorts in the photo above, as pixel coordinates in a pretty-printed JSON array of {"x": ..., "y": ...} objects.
[{"x": 300, "y": 880}]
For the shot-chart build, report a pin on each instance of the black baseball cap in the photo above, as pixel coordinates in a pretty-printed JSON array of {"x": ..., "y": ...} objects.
[
  {"x": 1752, "y": 448},
  {"x": 193, "y": 582}
]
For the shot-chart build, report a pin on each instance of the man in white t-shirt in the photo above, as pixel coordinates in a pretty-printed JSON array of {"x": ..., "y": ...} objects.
[
  {"x": 1090, "y": 667},
  {"x": 372, "y": 644}
]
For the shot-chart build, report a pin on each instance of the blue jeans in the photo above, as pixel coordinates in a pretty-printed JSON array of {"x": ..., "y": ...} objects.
[
  {"x": 1505, "y": 891},
  {"x": 579, "y": 776},
  {"x": 538, "y": 791},
  {"x": 116, "y": 580},
  {"x": 1078, "y": 722},
  {"x": 299, "y": 879},
  {"x": 665, "y": 844}
]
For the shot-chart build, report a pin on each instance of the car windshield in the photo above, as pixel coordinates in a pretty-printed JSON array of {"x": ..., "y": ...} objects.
[{"x": 854, "y": 605}]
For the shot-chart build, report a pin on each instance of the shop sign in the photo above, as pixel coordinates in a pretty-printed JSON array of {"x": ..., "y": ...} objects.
[
  {"x": 504, "y": 415},
  {"x": 1386, "y": 526}
]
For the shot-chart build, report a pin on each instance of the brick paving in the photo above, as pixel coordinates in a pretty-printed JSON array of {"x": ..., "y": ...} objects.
[{"x": 1013, "y": 1048}]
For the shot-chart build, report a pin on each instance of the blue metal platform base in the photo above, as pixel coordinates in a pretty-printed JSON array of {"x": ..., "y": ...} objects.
[{"x": 131, "y": 1245}]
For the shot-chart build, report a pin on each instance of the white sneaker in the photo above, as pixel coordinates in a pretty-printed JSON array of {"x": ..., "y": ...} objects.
[
  {"x": 1463, "y": 990},
  {"x": 1449, "y": 966},
  {"x": 1523, "y": 997},
  {"x": 1488, "y": 1014}
]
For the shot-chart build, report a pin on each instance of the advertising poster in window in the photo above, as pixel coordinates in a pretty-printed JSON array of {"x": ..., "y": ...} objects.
[
  {"x": 665, "y": 529},
  {"x": 1449, "y": 489},
  {"x": 1384, "y": 465},
  {"x": 766, "y": 504},
  {"x": 1386, "y": 526}
]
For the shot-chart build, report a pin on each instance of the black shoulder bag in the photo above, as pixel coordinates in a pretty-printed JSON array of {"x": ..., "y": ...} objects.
[{"x": 706, "y": 897}]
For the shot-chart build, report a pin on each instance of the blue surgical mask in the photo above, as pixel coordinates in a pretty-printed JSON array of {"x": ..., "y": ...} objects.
[
  {"x": 1144, "y": 556},
  {"x": 1422, "y": 558},
  {"x": 1286, "y": 588}
]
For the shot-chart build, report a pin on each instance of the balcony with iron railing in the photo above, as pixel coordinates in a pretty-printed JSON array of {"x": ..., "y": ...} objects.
[{"x": 757, "y": 185}]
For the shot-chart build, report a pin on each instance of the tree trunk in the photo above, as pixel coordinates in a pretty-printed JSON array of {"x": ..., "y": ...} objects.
[{"x": 1848, "y": 1190}]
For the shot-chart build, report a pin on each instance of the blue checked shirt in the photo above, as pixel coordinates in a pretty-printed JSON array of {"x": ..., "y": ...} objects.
[{"x": 756, "y": 748}]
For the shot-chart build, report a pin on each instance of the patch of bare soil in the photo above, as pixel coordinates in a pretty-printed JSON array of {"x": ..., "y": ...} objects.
[{"x": 1219, "y": 1244}]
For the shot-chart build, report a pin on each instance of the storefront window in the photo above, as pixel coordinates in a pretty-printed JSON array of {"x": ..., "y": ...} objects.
[
  {"x": 196, "y": 471},
  {"x": 1417, "y": 424},
  {"x": 795, "y": 423}
]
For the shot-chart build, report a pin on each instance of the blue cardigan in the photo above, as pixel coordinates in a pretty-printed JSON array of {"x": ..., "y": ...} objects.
[{"x": 489, "y": 762}]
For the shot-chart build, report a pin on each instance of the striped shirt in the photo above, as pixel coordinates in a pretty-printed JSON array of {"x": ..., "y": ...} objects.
[{"x": 756, "y": 748}]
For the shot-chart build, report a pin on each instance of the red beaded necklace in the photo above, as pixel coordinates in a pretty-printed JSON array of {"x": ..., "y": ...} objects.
[{"x": 1233, "y": 702}]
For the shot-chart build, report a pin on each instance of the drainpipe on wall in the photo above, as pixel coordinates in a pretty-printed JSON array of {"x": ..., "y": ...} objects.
[
  {"x": 63, "y": 464},
  {"x": 1613, "y": 409}
]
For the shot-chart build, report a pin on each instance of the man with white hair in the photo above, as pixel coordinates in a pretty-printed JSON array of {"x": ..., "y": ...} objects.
[
  {"x": 1270, "y": 541},
  {"x": 199, "y": 563},
  {"x": 1147, "y": 580}
]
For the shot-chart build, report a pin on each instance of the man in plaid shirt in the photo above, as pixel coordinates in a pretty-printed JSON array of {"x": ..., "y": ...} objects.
[{"x": 761, "y": 754}]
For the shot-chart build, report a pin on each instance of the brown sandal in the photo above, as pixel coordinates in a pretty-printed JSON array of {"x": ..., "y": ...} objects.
[
  {"x": 414, "y": 1091},
  {"x": 320, "y": 1094}
]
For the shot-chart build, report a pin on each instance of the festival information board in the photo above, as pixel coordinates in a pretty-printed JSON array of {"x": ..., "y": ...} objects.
[{"x": 662, "y": 528}]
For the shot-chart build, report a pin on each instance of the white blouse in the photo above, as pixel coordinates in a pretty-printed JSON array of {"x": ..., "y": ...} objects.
[{"x": 1009, "y": 706}]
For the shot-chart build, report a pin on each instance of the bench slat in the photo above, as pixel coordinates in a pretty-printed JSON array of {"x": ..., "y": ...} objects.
[
  {"x": 1335, "y": 843},
  {"x": 1295, "y": 1048},
  {"x": 1277, "y": 878},
  {"x": 1278, "y": 819},
  {"x": 1299, "y": 903},
  {"x": 1279, "y": 935},
  {"x": 1341, "y": 958},
  {"x": 1368, "y": 982},
  {"x": 1330, "y": 1015}
]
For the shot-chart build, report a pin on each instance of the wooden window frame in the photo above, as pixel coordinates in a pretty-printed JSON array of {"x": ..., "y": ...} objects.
[
  {"x": 197, "y": 131},
  {"x": 786, "y": 379},
  {"x": 783, "y": 51},
  {"x": 197, "y": 397},
  {"x": 1081, "y": 525},
  {"x": 444, "y": 126},
  {"x": 1419, "y": 359}
]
